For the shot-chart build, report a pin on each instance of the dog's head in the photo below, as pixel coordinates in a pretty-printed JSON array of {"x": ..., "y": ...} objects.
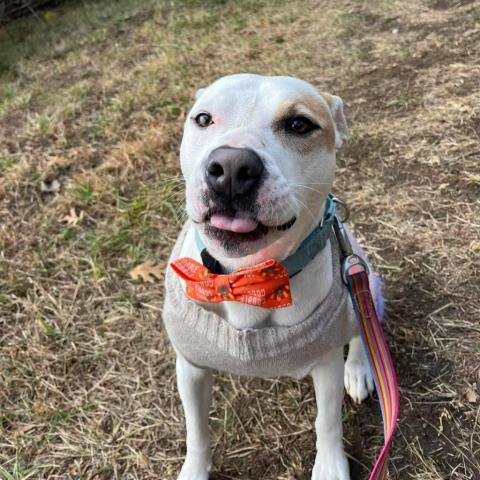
[{"x": 258, "y": 157}]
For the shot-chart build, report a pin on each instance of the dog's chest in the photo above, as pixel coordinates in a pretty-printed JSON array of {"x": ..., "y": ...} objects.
[
  {"x": 286, "y": 341},
  {"x": 309, "y": 288}
]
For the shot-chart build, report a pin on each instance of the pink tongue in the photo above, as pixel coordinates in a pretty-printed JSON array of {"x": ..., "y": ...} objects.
[{"x": 233, "y": 224}]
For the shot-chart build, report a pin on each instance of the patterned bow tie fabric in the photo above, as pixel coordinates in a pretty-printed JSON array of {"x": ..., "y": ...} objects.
[{"x": 264, "y": 285}]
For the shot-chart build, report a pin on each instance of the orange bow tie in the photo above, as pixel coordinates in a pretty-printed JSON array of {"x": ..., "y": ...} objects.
[{"x": 264, "y": 285}]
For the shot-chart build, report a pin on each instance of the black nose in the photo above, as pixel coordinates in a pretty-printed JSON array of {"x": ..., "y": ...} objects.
[{"x": 233, "y": 172}]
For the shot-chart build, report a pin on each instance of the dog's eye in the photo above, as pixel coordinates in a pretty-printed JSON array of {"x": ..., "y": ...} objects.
[
  {"x": 203, "y": 119},
  {"x": 300, "y": 125}
]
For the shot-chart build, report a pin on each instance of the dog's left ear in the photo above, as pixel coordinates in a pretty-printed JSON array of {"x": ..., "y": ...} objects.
[
  {"x": 336, "y": 109},
  {"x": 199, "y": 93}
]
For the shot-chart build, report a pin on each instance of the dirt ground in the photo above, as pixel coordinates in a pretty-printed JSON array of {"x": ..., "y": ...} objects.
[{"x": 92, "y": 96}]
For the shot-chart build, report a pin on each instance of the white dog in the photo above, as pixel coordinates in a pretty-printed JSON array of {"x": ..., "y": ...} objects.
[{"x": 258, "y": 157}]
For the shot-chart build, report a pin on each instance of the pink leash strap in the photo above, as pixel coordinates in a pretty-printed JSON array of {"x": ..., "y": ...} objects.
[
  {"x": 380, "y": 362},
  {"x": 355, "y": 275}
]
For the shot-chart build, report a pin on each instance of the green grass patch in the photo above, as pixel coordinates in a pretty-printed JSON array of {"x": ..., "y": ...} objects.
[
  {"x": 6, "y": 162},
  {"x": 63, "y": 29},
  {"x": 84, "y": 193}
]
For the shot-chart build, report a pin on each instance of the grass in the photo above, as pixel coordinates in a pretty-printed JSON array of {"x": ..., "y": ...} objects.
[{"x": 92, "y": 95}]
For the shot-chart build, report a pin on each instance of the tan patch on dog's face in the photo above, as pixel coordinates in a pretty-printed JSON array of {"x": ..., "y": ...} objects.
[{"x": 317, "y": 111}]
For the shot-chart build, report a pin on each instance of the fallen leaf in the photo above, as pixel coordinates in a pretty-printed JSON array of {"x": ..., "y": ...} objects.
[
  {"x": 72, "y": 219},
  {"x": 50, "y": 186},
  {"x": 473, "y": 177},
  {"x": 475, "y": 247},
  {"x": 141, "y": 460},
  {"x": 50, "y": 17},
  {"x": 471, "y": 394},
  {"x": 39, "y": 407},
  {"x": 147, "y": 271}
]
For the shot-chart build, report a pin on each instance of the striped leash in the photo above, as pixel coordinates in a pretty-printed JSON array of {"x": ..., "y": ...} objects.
[{"x": 355, "y": 276}]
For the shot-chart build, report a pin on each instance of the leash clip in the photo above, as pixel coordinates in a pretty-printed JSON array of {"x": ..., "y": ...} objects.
[
  {"x": 344, "y": 207},
  {"x": 351, "y": 262},
  {"x": 351, "y": 265}
]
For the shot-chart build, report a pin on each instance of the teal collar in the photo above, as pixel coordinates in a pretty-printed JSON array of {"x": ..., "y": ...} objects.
[{"x": 306, "y": 252}]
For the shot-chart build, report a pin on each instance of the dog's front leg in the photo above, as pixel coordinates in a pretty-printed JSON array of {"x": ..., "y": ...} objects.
[
  {"x": 358, "y": 373},
  {"x": 195, "y": 387},
  {"x": 330, "y": 462}
]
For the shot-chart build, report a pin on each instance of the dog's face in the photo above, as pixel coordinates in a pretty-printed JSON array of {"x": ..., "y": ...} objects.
[{"x": 258, "y": 157}]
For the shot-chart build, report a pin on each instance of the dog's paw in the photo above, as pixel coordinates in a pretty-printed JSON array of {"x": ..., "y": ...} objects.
[
  {"x": 331, "y": 465},
  {"x": 195, "y": 467},
  {"x": 358, "y": 380}
]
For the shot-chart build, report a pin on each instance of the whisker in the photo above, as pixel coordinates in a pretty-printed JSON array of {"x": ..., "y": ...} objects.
[
  {"x": 314, "y": 220},
  {"x": 172, "y": 195},
  {"x": 309, "y": 183},
  {"x": 307, "y": 187}
]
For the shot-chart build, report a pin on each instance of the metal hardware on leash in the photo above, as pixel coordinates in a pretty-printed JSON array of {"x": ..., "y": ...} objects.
[
  {"x": 344, "y": 207},
  {"x": 351, "y": 265},
  {"x": 351, "y": 262}
]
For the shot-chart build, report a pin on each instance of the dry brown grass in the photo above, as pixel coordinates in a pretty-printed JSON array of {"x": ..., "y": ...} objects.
[{"x": 87, "y": 375}]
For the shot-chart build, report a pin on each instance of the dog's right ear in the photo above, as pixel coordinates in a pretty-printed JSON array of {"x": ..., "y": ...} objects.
[
  {"x": 336, "y": 109},
  {"x": 199, "y": 93}
]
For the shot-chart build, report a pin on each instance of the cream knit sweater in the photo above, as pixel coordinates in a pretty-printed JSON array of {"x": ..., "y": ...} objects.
[{"x": 208, "y": 340}]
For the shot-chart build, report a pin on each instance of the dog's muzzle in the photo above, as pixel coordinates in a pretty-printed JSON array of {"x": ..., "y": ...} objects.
[{"x": 233, "y": 177}]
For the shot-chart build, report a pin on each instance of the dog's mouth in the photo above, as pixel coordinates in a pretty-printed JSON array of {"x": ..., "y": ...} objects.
[{"x": 235, "y": 225}]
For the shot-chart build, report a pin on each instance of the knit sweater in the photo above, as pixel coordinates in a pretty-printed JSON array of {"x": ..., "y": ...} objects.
[{"x": 208, "y": 340}]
